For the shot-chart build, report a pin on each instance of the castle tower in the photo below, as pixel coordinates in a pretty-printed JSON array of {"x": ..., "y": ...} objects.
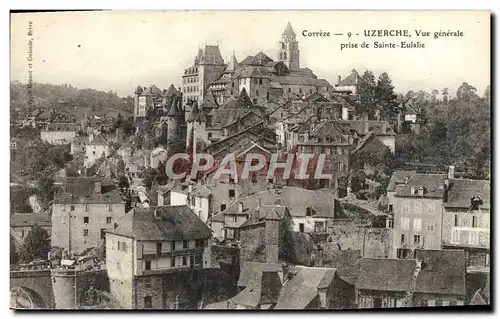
[
  {"x": 288, "y": 51},
  {"x": 137, "y": 93}
]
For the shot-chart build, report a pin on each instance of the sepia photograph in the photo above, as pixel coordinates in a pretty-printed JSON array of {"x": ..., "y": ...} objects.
[{"x": 253, "y": 160}]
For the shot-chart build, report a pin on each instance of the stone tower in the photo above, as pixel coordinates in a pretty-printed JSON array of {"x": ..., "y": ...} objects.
[
  {"x": 137, "y": 93},
  {"x": 175, "y": 122},
  {"x": 271, "y": 237},
  {"x": 288, "y": 51}
]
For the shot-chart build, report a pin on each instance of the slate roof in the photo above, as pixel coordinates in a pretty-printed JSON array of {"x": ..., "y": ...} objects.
[
  {"x": 232, "y": 65},
  {"x": 201, "y": 191},
  {"x": 385, "y": 274},
  {"x": 263, "y": 58},
  {"x": 296, "y": 199},
  {"x": 262, "y": 288},
  {"x": 346, "y": 262},
  {"x": 443, "y": 272},
  {"x": 479, "y": 298},
  {"x": 299, "y": 291},
  {"x": 62, "y": 127},
  {"x": 176, "y": 223},
  {"x": 462, "y": 190},
  {"x": 30, "y": 219},
  {"x": 210, "y": 54},
  {"x": 249, "y": 269},
  {"x": 351, "y": 80},
  {"x": 82, "y": 190},
  {"x": 253, "y": 71},
  {"x": 359, "y": 126},
  {"x": 299, "y": 80},
  {"x": 250, "y": 60},
  {"x": 288, "y": 30},
  {"x": 398, "y": 178},
  {"x": 433, "y": 186},
  {"x": 99, "y": 140},
  {"x": 263, "y": 213}
]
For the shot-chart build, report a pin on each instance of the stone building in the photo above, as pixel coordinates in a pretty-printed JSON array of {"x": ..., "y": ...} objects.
[
  {"x": 418, "y": 211},
  {"x": 82, "y": 211},
  {"x": 21, "y": 224},
  {"x": 58, "y": 133},
  {"x": 152, "y": 249}
]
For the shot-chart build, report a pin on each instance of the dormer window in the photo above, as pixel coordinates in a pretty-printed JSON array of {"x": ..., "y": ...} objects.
[{"x": 309, "y": 211}]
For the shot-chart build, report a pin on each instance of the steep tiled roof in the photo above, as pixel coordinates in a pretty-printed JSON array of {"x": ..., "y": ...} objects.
[
  {"x": 99, "y": 140},
  {"x": 351, "y": 80},
  {"x": 176, "y": 223},
  {"x": 385, "y": 274},
  {"x": 252, "y": 72},
  {"x": 232, "y": 65},
  {"x": 263, "y": 288},
  {"x": 249, "y": 269},
  {"x": 433, "y": 186},
  {"x": 138, "y": 90},
  {"x": 30, "y": 219},
  {"x": 250, "y": 60},
  {"x": 479, "y": 298},
  {"x": 263, "y": 213},
  {"x": 263, "y": 58},
  {"x": 299, "y": 291},
  {"x": 296, "y": 199},
  {"x": 361, "y": 127},
  {"x": 443, "y": 272},
  {"x": 82, "y": 190},
  {"x": 462, "y": 190},
  {"x": 399, "y": 178},
  {"x": 288, "y": 30},
  {"x": 299, "y": 80},
  {"x": 346, "y": 262},
  {"x": 201, "y": 191},
  {"x": 210, "y": 54},
  {"x": 63, "y": 127},
  {"x": 171, "y": 90}
]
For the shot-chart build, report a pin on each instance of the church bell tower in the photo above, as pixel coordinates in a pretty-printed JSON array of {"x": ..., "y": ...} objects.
[{"x": 288, "y": 51}]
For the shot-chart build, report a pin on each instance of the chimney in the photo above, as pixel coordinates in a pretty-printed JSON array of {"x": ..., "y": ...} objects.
[
  {"x": 367, "y": 127},
  {"x": 240, "y": 207},
  {"x": 190, "y": 189},
  {"x": 339, "y": 80},
  {"x": 412, "y": 190},
  {"x": 271, "y": 238},
  {"x": 97, "y": 187},
  {"x": 260, "y": 203},
  {"x": 384, "y": 127},
  {"x": 451, "y": 172}
]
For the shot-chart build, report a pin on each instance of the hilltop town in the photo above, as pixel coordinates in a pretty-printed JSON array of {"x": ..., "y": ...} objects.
[{"x": 96, "y": 221}]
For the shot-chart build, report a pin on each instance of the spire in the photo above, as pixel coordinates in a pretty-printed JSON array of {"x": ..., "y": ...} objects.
[
  {"x": 173, "y": 112},
  {"x": 233, "y": 64},
  {"x": 288, "y": 30},
  {"x": 194, "y": 111}
]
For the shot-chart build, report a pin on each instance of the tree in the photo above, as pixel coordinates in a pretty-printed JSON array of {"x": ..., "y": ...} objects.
[
  {"x": 36, "y": 245},
  {"x": 487, "y": 95},
  {"x": 386, "y": 98},
  {"x": 45, "y": 189},
  {"x": 367, "y": 102},
  {"x": 123, "y": 182},
  {"x": 434, "y": 95},
  {"x": 445, "y": 93},
  {"x": 149, "y": 175},
  {"x": 467, "y": 92}
]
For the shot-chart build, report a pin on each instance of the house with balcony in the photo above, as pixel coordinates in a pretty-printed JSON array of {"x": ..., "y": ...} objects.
[{"x": 150, "y": 249}]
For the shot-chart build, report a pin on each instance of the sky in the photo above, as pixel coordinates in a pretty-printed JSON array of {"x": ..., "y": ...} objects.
[{"x": 119, "y": 50}]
